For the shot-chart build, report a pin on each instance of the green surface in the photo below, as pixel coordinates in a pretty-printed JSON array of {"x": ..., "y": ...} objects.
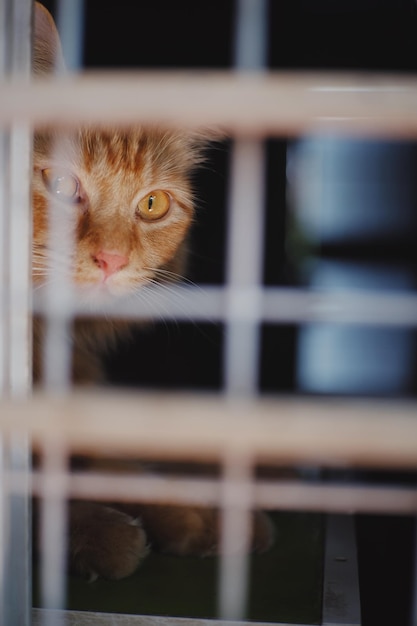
[{"x": 286, "y": 582}]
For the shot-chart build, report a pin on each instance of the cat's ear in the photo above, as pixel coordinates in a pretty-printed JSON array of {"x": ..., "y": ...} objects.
[{"x": 47, "y": 51}]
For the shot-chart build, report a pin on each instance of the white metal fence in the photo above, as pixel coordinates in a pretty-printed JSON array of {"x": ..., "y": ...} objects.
[{"x": 236, "y": 428}]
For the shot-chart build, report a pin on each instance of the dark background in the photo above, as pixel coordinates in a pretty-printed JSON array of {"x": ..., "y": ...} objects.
[{"x": 359, "y": 35}]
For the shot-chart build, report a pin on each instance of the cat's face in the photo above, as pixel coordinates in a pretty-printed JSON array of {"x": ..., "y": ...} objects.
[
  {"x": 126, "y": 197},
  {"x": 123, "y": 195}
]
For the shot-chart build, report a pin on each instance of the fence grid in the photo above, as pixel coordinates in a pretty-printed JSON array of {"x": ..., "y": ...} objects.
[{"x": 237, "y": 428}]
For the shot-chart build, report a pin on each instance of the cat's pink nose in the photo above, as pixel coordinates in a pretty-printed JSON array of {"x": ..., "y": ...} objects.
[{"x": 110, "y": 262}]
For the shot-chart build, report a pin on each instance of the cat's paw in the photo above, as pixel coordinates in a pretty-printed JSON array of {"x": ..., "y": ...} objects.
[
  {"x": 197, "y": 531},
  {"x": 182, "y": 530},
  {"x": 104, "y": 542}
]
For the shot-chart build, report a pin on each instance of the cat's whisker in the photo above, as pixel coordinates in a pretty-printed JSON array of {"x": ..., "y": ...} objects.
[
  {"x": 45, "y": 265},
  {"x": 49, "y": 262},
  {"x": 178, "y": 280},
  {"x": 48, "y": 253},
  {"x": 40, "y": 269},
  {"x": 172, "y": 286},
  {"x": 181, "y": 300},
  {"x": 173, "y": 276},
  {"x": 155, "y": 299},
  {"x": 47, "y": 278},
  {"x": 152, "y": 297},
  {"x": 166, "y": 273}
]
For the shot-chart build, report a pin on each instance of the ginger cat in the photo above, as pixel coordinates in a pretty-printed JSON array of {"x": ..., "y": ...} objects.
[{"x": 128, "y": 194}]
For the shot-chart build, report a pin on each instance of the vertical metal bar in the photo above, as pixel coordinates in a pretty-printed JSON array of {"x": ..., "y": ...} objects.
[
  {"x": 20, "y": 259},
  {"x": 5, "y": 54},
  {"x": 244, "y": 267},
  {"x": 53, "y": 528},
  {"x": 414, "y": 598},
  {"x": 58, "y": 294},
  {"x": 5, "y": 8},
  {"x": 18, "y": 579},
  {"x": 244, "y": 276},
  {"x": 70, "y": 23},
  {"x": 4, "y": 492},
  {"x": 57, "y": 351},
  {"x": 15, "y": 232},
  {"x": 4, "y": 523},
  {"x": 236, "y": 533},
  {"x": 246, "y": 222},
  {"x": 251, "y": 35},
  {"x": 4, "y": 239}
]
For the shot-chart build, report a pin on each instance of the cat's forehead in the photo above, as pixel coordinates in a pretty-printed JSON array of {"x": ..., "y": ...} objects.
[
  {"x": 114, "y": 149},
  {"x": 128, "y": 151}
]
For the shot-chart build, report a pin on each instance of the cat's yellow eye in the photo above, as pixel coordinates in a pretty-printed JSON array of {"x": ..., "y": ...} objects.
[
  {"x": 154, "y": 206},
  {"x": 62, "y": 184}
]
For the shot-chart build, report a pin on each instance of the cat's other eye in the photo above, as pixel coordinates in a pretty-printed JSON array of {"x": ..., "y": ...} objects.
[
  {"x": 61, "y": 184},
  {"x": 154, "y": 206}
]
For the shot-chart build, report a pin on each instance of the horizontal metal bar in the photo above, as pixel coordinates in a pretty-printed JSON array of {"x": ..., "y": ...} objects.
[
  {"x": 268, "y": 495},
  {"x": 90, "y": 618},
  {"x": 202, "y": 426},
  {"x": 243, "y": 103},
  {"x": 274, "y": 304}
]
